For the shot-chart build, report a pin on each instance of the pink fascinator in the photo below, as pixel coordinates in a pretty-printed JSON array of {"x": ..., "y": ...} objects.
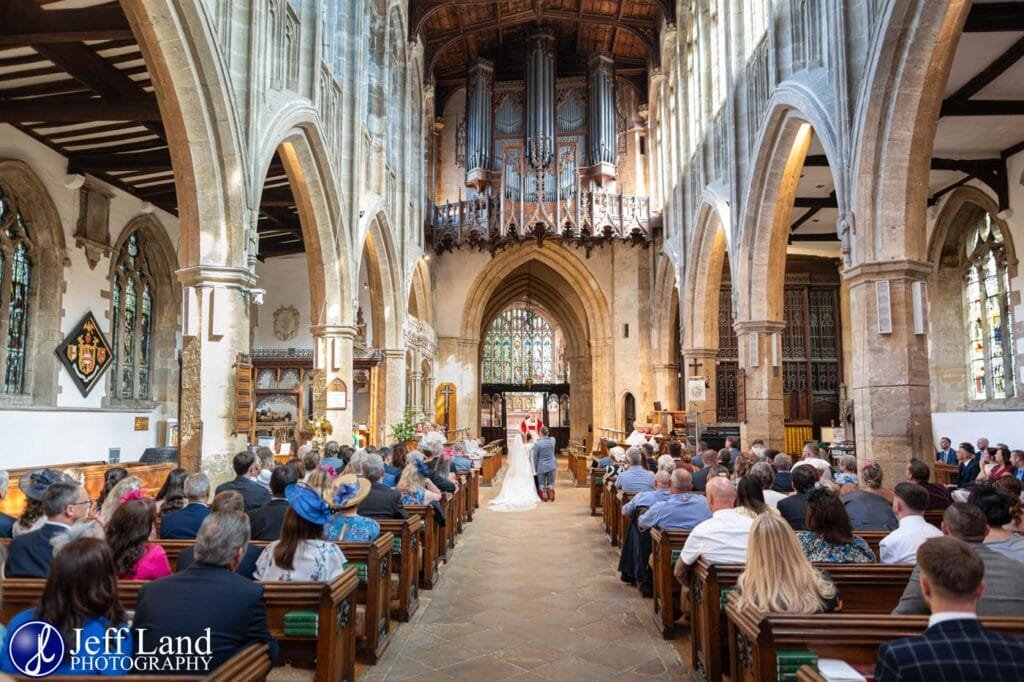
[{"x": 131, "y": 495}]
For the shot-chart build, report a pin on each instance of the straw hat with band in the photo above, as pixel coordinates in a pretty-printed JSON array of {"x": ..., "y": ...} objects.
[{"x": 349, "y": 491}]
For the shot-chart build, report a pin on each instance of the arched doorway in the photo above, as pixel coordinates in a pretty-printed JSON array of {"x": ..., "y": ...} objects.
[{"x": 629, "y": 412}]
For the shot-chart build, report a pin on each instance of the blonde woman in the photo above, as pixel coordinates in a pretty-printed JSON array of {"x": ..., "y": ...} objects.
[
  {"x": 778, "y": 577},
  {"x": 414, "y": 485},
  {"x": 116, "y": 497}
]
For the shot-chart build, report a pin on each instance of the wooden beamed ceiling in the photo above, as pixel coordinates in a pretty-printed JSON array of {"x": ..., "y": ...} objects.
[
  {"x": 74, "y": 79},
  {"x": 458, "y": 32}
]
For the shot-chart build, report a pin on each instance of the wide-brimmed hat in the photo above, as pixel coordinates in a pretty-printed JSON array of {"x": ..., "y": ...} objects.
[
  {"x": 34, "y": 483},
  {"x": 349, "y": 491},
  {"x": 332, "y": 465},
  {"x": 307, "y": 503}
]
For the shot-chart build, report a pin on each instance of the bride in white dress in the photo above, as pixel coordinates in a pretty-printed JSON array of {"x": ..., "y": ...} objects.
[{"x": 518, "y": 490}]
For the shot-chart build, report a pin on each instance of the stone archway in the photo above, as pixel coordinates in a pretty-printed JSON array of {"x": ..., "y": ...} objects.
[
  {"x": 666, "y": 334},
  {"x": 574, "y": 296}
]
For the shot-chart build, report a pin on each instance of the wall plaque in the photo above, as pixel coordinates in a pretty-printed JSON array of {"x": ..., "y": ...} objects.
[{"x": 85, "y": 354}]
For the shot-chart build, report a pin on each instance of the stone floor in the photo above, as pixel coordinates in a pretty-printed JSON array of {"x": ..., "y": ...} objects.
[{"x": 531, "y": 596}]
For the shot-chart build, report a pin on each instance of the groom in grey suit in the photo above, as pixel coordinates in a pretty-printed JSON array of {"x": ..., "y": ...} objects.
[{"x": 545, "y": 464}]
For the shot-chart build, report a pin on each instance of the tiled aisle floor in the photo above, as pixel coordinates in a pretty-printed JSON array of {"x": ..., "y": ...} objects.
[{"x": 531, "y": 596}]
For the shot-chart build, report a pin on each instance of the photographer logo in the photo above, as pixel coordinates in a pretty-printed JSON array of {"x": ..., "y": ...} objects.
[{"x": 36, "y": 648}]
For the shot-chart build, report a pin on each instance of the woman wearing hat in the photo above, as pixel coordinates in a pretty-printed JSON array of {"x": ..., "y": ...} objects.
[
  {"x": 33, "y": 485},
  {"x": 302, "y": 553},
  {"x": 346, "y": 525}
]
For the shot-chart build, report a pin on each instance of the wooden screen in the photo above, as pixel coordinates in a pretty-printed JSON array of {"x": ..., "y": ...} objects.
[
  {"x": 727, "y": 368},
  {"x": 810, "y": 354},
  {"x": 243, "y": 394}
]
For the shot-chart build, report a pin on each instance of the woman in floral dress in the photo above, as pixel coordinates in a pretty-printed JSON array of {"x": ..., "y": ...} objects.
[{"x": 302, "y": 553}]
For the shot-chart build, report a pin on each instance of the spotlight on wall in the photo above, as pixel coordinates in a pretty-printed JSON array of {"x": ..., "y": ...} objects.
[{"x": 256, "y": 295}]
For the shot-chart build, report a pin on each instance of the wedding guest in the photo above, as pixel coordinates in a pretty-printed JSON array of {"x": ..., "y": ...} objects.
[
  {"x": 310, "y": 457},
  {"x": 246, "y": 467},
  {"x": 394, "y": 464},
  {"x": 682, "y": 458},
  {"x": 946, "y": 454},
  {"x": 956, "y": 646},
  {"x": 414, "y": 486},
  {"x": 938, "y": 497},
  {"x": 766, "y": 476},
  {"x": 171, "y": 496},
  {"x": 30, "y": 554},
  {"x": 847, "y": 474},
  {"x": 229, "y": 502},
  {"x": 636, "y": 478},
  {"x": 647, "y": 499},
  {"x": 811, "y": 456},
  {"x": 909, "y": 504},
  {"x": 1009, "y": 485},
  {"x": 782, "y": 464},
  {"x": 664, "y": 463},
  {"x": 1017, "y": 460},
  {"x": 1004, "y": 590},
  {"x": 346, "y": 525},
  {"x": 382, "y": 502},
  {"x": 794, "y": 507},
  {"x": 750, "y": 498},
  {"x": 6, "y": 522},
  {"x": 871, "y": 478},
  {"x": 75, "y": 475},
  {"x": 437, "y": 469},
  {"x": 302, "y": 553},
  {"x": 709, "y": 461},
  {"x": 117, "y": 496},
  {"x": 969, "y": 467},
  {"x": 996, "y": 506},
  {"x": 829, "y": 536},
  {"x": 722, "y": 539},
  {"x": 870, "y": 508},
  {"x": 33, "y": 486},
  {"x": 265, "y": 522},
  {"x": 80, "y": 599},
  {"x": 681, "y": 511},
  {"x": 184, "y": 523},
  {"x": 111, "y": 477},
  {"x": 128, "y": 535},
  {"x": 1000, "y": 464},
  {"x": 778, "y": 577},
  {"x": 208, "y": 596}
]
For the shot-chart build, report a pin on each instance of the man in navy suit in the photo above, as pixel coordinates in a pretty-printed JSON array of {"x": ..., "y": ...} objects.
[
  {"x": 266, "y": 521},
  {"x": 956, "y": 646},
  {"x": 247, "y": 468},
  {"x": 782, "y": 464},
  {"x": 207, "y": 595},
  {"x": 969, "y": 467},
  {"x": 6, "y": 522},
  {"x": 184, "y": 524},
  {"x": 30, "y": 554},
  {"x": 946, "y": 454}
]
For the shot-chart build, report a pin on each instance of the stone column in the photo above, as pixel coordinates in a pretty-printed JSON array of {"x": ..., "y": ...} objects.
[
  {"x": 762, "y": 413},
  {"x": 707, "y": 408},
  {"x": 333, "y": 357},
  {"x": 394, "y": 391},
  {"x": 581, "y": 396},
  {"x": 416, "y": 390},
  {"x": 666, "y": 385},
  {"x": 215, "y": 331},
  {"x": 890, "y": 382}
]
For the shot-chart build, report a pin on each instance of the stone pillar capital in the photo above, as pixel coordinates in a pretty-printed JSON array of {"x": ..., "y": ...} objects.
[
  {"x": 393, "y": 354},
  {"x": 744, "y": 327},
  {"x": 908, "y": 270},
  {"x": 227, "y": 276},
  {"x": 337, "y": 331},
  {"x": 700, "y": 353}
]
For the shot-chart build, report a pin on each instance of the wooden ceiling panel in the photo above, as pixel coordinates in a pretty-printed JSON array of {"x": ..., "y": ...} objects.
[{"x": 608, "y": 8}]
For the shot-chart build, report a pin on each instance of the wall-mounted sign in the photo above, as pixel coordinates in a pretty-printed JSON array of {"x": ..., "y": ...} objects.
[
  {"x": 142, "y": 423},
  {"x": 696, "y": 389},
  {"x": 337, "y": 395},
  {"x": 85, "y": 354}
]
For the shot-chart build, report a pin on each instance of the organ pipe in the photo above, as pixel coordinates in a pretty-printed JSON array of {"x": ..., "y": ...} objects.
[
  {"x": 601, "y": 72},
  {"x": 540, "y": 100},
  {"x": 479, "y": 137}
]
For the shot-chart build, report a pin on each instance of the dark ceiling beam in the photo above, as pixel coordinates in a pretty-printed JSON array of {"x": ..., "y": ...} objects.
[
  {"x": 992, "y": 172},
  {"x": 804, "y": 218},
  {"x": 152, "y": 160},
  {"x": 21, "y": 24},
  {"x": 822, "y": 237},
  {"x": 422, "y": 11},
  {"x": 995, "y": 17},
  {"x": 815, "y": 202},
  {"x": 989, "y": 74},
  {"x": 79, "y": 109},
  {"x": 983, "y": 107}
]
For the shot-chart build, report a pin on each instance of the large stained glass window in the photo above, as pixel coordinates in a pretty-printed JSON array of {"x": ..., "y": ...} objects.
[
  {"x": 132, "y": 297},
  {"x": 518, "y": 345},
  {"x": 15, "y": 288},
  {"x": 989, "y": 315}
]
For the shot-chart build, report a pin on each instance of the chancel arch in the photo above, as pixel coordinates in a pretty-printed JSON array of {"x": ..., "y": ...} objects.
[{"x": 32, "y": 250}]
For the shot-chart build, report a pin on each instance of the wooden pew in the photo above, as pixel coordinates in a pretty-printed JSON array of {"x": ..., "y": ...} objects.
[
  {"x": 374, "y": 592},
  {"x": 429, "y": 541},
  {"x": 596, "y": 482},
  {"x": 331, "y": 653},
  {"x": 622, "y": 498},
  {"x": 665, "y": 546},
  {"x": 152, "y": 476},
  {"x": 251, "y": 663},
  {"x": 945, "y": 474},
  {"x": 469, "y": 481},
  {"x": 934, "y": 517},
  {"x": 754, "y": 640},
  {"x": 405, "y": 562},
  {"x": 863, "y": 588},
  {"x": 491, "y": 464}
]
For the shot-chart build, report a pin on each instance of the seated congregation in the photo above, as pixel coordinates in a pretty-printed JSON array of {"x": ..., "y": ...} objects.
[
  {"x": 750, "y": 549},
  {"x": 304, "y": 562}
]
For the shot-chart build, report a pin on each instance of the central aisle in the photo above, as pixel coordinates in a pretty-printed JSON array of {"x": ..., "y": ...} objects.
[{"x": 532, "y": 595}]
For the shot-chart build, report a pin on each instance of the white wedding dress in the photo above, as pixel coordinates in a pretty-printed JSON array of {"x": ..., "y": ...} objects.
[{"x": 518, "y": 490}]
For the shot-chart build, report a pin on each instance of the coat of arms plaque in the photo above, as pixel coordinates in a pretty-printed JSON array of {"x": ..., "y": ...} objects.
[{"x": 85, "y": 354}]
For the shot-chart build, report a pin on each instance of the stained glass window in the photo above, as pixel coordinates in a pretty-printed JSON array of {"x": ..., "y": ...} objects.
[
  {"x": 15, "y": 290},
  {"x": 989, "y": 315},
  {"x": 518, "y": 345},
  {"x": 132, "y": 302}
]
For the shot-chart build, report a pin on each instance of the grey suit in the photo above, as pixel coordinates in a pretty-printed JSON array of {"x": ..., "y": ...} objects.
[
  {"x": 544, "y": 462},
  {"x": 1004, "y": 591}
]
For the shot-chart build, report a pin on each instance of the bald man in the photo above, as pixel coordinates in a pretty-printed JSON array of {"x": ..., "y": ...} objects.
[
  {"x": 661, "y": 492},
  {"x": 722, "y": 539},
  {"x": 681, "y": 511}
]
